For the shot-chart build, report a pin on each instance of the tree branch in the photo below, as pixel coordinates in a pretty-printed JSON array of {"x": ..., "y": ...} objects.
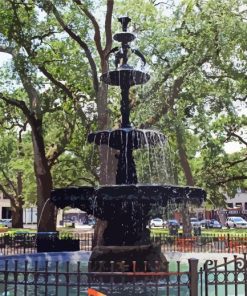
[
  {"x": 10, "y": 183},
  {"x": 232, "y": 163},
  {"x": 48, "y": 6},
  {"x": 97, "y": 35},
  {"x": 68, "y": 132},
  {"x": 232, "y": 134},
  {"x": 4, "y": 191},
  {"x": 55, "y": 81},
  {"x": 108, "y": 23},
  {"x": 21, "y": 105},
  {"x": 235, "y": 178}
]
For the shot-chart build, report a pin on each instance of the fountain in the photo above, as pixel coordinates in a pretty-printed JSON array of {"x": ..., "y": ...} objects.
[{"x": 125, "y": 206}]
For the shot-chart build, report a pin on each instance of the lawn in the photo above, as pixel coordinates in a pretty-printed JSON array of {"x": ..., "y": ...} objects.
[{"x": 213, "y": 232}]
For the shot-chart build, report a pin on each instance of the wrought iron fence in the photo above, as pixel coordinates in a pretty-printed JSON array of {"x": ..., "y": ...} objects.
[
  {"x": 225, "y": 243},
  {"x": 38, "y": 278},
  {"x": 24, "y": 243},
  {"x": 226, "y": 278}
]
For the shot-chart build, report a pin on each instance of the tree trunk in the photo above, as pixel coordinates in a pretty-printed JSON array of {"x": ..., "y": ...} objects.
[
  {"x": 108, "y": 161},
  {"x": 46, "y": 210},
  {"x": 187, "y": 229},
  {"x": 17, "y": 205},
  {"x": 17, "y": 214}
]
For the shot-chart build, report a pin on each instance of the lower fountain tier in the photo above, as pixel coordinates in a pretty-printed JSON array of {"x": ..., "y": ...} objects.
[
  {"x": 132, "y": 138},
  {"x": 108, "y": 201},
  {"x": 124, "y": 208}
]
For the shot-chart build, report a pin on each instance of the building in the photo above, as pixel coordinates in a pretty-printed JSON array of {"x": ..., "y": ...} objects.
[
  {"x": 5, "y": 207},
  {"x": 29, "y": 214},
  {"x": 239, "y": 201}
]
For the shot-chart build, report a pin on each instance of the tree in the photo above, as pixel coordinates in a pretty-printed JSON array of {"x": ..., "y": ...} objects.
[
  {"x": 199, "y": 64},
  {"x": 32, "y": 56}
]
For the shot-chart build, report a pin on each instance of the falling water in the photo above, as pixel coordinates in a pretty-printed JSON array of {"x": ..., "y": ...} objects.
[
  {"x": 107, "y": 156},
  {"x": 94, "y": 203},
  {"x": 126, "y": 154},
  {"x": 163, "y": 157},
  {"x": 139, "y": 145},
  {"x": 41, "y": 214},
  {"x": 152, "y": 135},
  {"x": 92, "y": 156},
  {"x": 148, "y": 152}
]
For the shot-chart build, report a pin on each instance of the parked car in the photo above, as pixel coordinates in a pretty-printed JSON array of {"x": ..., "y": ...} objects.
[
  {"x": 173, "y": 222},
  {"x": 236, "y": 222},
  {"x": 6, "y": 222},
  {"x": 67, "y": 222},
  {"x": 205, "y": 223},
  {"x": 195, "y": 222},
  {"x": 157, "y": 222},
  {"x": 214, "y": 224}
]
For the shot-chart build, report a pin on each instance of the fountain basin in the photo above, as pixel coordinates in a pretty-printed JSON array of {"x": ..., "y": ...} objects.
[
  {"x": 125, "y": 77},
  {"x": 102, "y": 200},
  {"x": 125, "y": 37},
  {"x": 133, "y": 138}
]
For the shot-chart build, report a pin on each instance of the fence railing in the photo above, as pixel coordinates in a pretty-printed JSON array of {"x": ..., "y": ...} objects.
[
  {"x": 21, "y": 243},
  {"x": 38, "y": 277},
  {"x": 225, "y": 243},
  {"x": 26, "y": 243}
]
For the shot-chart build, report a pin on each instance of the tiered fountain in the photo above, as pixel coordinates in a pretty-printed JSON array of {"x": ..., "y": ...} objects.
[{"x": 125, "y": 206}]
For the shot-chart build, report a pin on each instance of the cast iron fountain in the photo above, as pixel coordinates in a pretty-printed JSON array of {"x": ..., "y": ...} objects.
[{"x": 126, "y": 205}]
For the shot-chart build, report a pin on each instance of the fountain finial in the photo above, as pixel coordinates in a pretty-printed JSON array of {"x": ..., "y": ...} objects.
[{"x": 124, "y": 20}]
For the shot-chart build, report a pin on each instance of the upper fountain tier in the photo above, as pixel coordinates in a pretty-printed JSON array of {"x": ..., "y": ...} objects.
[
  {"x": 124, "y": 75},
  {"x": 133, "y": 138}
]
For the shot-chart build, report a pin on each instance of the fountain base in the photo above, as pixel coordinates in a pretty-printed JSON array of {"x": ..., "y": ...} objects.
[{"x": 143, "y": 258}]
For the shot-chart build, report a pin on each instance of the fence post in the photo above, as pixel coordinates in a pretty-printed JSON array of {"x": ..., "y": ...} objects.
[{"x": 194, "y": 279}]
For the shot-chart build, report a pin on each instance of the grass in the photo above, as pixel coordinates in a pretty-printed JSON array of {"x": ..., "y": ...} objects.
[
  {"x": 214, "y": 232},
  {"x": 21, "y": 230}
]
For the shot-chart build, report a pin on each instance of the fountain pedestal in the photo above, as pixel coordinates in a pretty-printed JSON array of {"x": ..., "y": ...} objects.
[{"x": 128, "y": 258}]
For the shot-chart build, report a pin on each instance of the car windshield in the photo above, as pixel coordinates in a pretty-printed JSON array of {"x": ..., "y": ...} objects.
[
  {"x": 238, "y": 219},
  {"x": 172, "y": 221}
]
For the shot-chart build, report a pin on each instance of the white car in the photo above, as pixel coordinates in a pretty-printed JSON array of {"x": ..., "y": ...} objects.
[
  {"x": 236, "y": 222},
  {"x": 195, "y": 222},
  {"x": 157, "y": 222},
  {"x": 6, "y": 222}
]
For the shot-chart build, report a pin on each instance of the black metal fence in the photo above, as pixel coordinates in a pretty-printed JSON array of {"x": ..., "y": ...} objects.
[
  {"x": 26, "y": 243},
  {"x": 226, "y": 278},
  {"x": 21, "y": 243},
  {"x": 225, "y": 243},
  {"x": 37, "y": 278}
]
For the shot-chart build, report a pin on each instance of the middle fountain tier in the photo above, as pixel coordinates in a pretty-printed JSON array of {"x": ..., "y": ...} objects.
[{"x": 125, "y": 207}]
